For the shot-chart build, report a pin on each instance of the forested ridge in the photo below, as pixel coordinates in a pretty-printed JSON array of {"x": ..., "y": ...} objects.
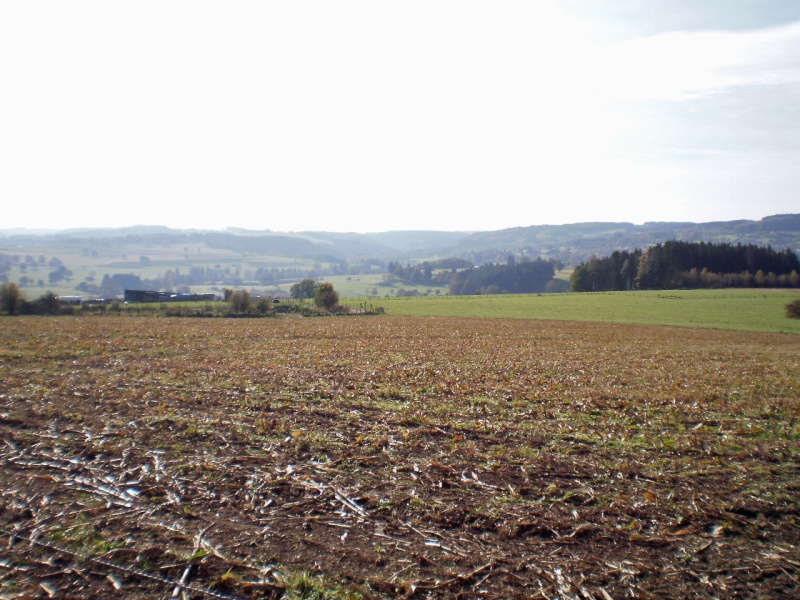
[
  {"x": 677, "y": 264},
  {"x": 569, "y": 243}
]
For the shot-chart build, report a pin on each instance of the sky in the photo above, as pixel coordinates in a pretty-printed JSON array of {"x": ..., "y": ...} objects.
[{"x": 370, "y": 116}]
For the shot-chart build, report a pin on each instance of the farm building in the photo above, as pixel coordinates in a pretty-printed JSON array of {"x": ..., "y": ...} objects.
[{"x": 153, "y": 296}]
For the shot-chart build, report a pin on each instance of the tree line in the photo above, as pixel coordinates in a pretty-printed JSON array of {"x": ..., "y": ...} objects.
[
  {"x": 323, "y": 293},
  {"x": 14, "y": 302},
  {"x": 676, "y": 264},
  {"x": 462, "y": 278},
  {"x": 434, "y": 272},
  {"x": 523, "y": 277}
]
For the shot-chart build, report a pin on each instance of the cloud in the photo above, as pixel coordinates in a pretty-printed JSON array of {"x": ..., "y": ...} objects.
[{"x": 681, "y": 65}]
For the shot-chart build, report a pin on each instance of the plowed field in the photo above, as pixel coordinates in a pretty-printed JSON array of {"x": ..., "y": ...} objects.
[{"x": 384, "y": 457}]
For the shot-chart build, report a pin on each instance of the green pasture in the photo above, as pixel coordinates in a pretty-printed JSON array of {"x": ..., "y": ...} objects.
[
  {"x": 355, "y": 287},
  {"x": 736, "y": 309}
]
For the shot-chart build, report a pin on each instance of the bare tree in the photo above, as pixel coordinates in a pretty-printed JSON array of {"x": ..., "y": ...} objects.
[{"x": 240, "y": 301}]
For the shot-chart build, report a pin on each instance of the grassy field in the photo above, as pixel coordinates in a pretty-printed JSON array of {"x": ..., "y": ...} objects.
[
  {"x": 738, "y": 310},
  {"x": 745, "y": 310},
  {"x": 361, "y": 287},
  {"x": 385, "y": 457}
]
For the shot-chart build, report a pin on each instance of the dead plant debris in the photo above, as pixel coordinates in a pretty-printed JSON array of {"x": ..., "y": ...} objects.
[{"x": 396, "y": 457}]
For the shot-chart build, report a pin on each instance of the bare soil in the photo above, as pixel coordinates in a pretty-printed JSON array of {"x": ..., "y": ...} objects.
[{"x": 381, "y": 457}]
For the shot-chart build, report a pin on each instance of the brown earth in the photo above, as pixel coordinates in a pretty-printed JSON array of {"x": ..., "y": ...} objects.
[{"x": 376, "y": 457}]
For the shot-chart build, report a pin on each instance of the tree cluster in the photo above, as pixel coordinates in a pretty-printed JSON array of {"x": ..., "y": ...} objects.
[
  {"x": 616, "y": 272},
  {"x": 524, "y": 277},
  {"x": 13, "y": 302},
  {"x": 323, "y": 294},
  {"x": 303, "y": 290},
  {"x": 59, "y": 272},
  {"x": 435, "y": 272},
  {"x": 677, "y": 264}
]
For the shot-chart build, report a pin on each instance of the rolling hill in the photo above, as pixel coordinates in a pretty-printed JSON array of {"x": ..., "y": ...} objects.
[{"x": 241, "y": 257}]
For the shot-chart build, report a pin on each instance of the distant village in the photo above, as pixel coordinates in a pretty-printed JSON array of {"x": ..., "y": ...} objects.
[
  {"x": 153, "y": 296},
  {"x": 141, "y": 296}
]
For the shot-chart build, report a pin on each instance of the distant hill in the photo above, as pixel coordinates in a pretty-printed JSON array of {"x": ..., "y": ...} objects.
[
  {"x": 572, "y": 244},
  {"x": 418, "y": 242}
]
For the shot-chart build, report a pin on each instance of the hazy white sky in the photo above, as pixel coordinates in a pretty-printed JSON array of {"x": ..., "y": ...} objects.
[{"x": 375, "y": 116}]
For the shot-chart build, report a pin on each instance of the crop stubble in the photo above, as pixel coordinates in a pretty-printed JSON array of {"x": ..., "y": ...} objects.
[{"x": 396, "y": 457}]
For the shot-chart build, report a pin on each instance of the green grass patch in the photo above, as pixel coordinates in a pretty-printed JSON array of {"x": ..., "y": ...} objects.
[{"x": 734, "y": 309}]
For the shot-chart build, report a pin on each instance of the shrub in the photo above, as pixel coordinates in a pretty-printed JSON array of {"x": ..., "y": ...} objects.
[{"x": 793, "y": 309}]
